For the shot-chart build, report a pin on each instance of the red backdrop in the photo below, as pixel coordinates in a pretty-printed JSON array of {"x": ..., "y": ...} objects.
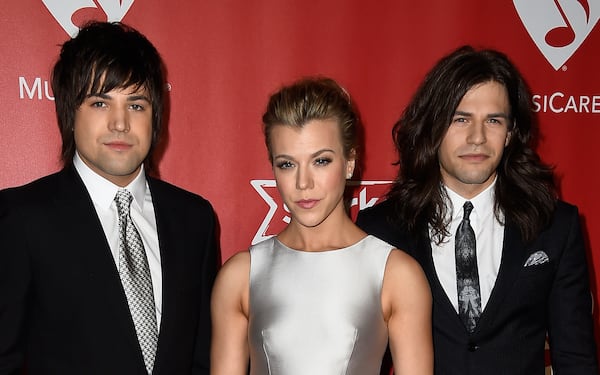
[{"x": 225, "y": 57}]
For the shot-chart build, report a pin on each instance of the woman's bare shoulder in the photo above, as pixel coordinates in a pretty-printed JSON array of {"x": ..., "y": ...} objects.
[
  {"x": 403, "y": 269},
  {"x": 236, "y": 270}
]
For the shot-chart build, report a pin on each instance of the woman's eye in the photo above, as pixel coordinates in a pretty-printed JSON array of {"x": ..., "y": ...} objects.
[
  {"x": 322, "y": 161},
  {"x": 284, "y": 165}
]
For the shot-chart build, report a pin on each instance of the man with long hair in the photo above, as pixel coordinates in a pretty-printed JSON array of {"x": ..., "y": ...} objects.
[{"x": 474, "y": 204}]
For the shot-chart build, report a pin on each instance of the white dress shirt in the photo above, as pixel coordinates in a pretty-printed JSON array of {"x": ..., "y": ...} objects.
[
  {"x": 489, "y": 237},
  {"x": 103, "y": 194}
]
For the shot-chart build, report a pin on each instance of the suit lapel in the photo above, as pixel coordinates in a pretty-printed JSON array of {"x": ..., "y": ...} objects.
[
  {"x": 513, "y": 258},
  {"x": 442, "y": 303},
  {"x": 87, "y": 234},
  {"x": 92, "y": 251},
  {"x": 168, "y": 259}
]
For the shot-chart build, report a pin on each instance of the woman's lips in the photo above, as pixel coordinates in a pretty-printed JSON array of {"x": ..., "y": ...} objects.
[{"x": 307, "y": 203}]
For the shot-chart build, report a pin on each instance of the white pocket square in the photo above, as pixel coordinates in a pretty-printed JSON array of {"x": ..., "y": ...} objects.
[{"x": 537, "y": 258}]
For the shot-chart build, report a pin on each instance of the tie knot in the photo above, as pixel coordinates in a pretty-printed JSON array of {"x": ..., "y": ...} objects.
[
  {"x": 468, "y": 207},
  {"x": 123, "y": 200}
]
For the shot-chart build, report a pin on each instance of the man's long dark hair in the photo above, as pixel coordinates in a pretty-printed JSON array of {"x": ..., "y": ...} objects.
[{"x": 525, "y": 190}]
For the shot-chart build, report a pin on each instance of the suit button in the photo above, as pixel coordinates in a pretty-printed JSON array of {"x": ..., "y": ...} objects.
[{"x": 473, "y": 347}]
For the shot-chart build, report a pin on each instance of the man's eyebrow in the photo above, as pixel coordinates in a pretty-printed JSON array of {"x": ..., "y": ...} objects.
[
  {"x": 98, "y": 95},
  {"x": 498, "y": 114},
  {"x": 462, "y": 113},
  {"x": 133, "y": 98},
  {"x": 130, "y": 98},
  {"x": 489, "y": 115}
]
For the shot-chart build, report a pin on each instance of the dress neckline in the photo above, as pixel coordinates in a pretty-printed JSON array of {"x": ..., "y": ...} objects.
[{"x": 330, "y": 251}]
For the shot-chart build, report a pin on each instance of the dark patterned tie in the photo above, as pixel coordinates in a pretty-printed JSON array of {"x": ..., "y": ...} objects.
[
  {"x": 467, "y": 276},
  {"x": 136, "y": 280}
]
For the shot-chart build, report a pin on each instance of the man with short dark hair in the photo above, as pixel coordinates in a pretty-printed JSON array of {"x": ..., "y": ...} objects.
[{"x": 104, "y": 269}]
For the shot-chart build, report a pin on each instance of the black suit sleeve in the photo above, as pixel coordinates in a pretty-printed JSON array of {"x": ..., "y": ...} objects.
[
  {"x": 374, "y": 221},
  {"x": 209, "y": 267},
  {"x": 570, "y": 325},
  {"x": 380, "y": 221},
  {"x": 14, "y": 284}
]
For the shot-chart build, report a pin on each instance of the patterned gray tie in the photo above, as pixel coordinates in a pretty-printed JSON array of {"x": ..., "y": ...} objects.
[
  {"x": 467, "y": 276},
  {"x": 136, "y": 280}
]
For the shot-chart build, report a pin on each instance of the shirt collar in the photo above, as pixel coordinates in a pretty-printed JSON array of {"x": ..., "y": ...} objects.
[
  {"x": 482, "y": 202},
  {"x": 102, "y": 191}
]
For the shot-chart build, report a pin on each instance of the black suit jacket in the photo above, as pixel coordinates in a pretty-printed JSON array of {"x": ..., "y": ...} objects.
[
  {"x": 62, "y": 307},
  {"x": 526, "y": 302}
]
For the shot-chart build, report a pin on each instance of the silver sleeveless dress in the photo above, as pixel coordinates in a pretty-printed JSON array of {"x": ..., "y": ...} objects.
[{"x": 317, "y": 313}]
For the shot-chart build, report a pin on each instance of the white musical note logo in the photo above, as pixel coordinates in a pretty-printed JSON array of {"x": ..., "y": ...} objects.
[
  {"x": 558, "y": 27},
  {"x": 69, "y": 12}
]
